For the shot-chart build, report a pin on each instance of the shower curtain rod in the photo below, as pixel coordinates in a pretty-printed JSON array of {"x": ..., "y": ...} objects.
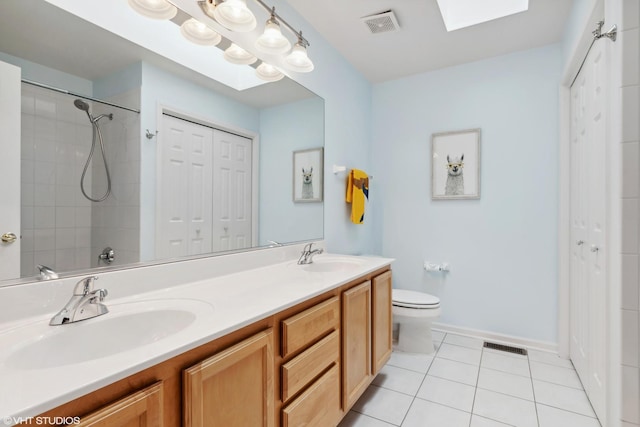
[
  {"x": 597, "y": 34},
  {"x": 66, "y": 92}
]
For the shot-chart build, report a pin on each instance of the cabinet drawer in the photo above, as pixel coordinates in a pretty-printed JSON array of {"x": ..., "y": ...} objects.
[
  {"x": 302, "y": 329},
  {"x": 318, "y": 406},
  {"x": 303, "y": 368}
]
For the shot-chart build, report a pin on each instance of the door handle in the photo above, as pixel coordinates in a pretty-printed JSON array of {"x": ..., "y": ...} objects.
[
  {"x": 579, "y": 242},
  {"x": 594, "y": 248},
  {"x": 8, "y": 238}
]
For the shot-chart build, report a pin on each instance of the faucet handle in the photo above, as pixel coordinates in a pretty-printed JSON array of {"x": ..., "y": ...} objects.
[
  {"x": 100, "y": 294},
  {"x": 85, "y": 286}
]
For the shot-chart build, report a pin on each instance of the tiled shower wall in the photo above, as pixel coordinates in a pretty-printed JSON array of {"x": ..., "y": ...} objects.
[
  {"x": 115, "y": 223},
  {"x": 630, "y": 39},
  {"x": 56, "y": 220}
]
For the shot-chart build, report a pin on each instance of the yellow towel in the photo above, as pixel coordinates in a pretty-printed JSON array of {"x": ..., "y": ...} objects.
[{"x": 357, "y": 193}]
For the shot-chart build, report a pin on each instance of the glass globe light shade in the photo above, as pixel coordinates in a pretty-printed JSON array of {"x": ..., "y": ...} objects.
[
  {"x": 198, "y": 33},
  {"x": 156, "y": 9},
  {"x": 237, "y": 55},
  {"x": 235, "y": 15}
]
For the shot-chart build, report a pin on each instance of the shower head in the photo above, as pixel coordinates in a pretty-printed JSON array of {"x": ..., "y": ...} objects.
[{"x": 81, "y": 105}]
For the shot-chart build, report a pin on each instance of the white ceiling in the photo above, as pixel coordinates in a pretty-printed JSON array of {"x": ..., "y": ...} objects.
[{"x": 423, "y": 44}]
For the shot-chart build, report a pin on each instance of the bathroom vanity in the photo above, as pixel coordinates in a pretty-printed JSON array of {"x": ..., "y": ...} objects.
[{"x": 297, "y": 349}]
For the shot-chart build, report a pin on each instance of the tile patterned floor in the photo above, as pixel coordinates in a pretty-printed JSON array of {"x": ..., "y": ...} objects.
[{"x": 466, "y": 385}]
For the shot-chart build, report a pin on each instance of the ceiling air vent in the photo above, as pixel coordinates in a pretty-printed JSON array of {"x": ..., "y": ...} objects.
[{"x": 383, "y": 22}]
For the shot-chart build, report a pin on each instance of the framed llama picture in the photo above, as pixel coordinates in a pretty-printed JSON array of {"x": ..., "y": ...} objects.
[
  {"x": 455, "y": 165},
  {"x": 307, "y": 175}
]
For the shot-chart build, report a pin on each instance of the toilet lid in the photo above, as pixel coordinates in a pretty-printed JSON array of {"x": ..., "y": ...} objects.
[{"x": 413, "y": 299}]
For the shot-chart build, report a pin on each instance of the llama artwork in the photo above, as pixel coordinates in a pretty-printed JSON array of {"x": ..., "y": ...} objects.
[
  {"x": 455, "y": 178},
  {"x": 307, "y": 183}
]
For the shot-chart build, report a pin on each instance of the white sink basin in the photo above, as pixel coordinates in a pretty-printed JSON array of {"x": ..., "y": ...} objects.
[
  {"x": 332, "y": 264},
  {"x": 127, "y": 326}
]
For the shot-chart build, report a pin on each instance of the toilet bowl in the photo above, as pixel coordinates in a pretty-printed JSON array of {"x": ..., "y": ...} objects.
[{"x": 413, "y": 312}]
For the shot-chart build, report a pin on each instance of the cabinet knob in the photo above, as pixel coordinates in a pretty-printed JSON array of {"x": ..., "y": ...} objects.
[
  {"x": 594, "y": 248},
  {"x": 579, "y": 242},
  {"x": 8, "y": 238}
]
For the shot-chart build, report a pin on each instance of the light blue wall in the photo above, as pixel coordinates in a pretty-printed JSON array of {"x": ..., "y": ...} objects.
[
  {"x": 49, "y": 76},
  {"x": 160, "y": 88},
  {"x": 347, "y": 96},
  {"x": 502, "y": 248},
  {"x": 284, "y": 129},
  {"x": 119, "y": 82},
  {"x": 579, "y": 17}
]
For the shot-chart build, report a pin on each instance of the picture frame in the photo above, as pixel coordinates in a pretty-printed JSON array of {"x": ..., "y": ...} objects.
[
  {"x": 455, "y": 165},
  {"x": 308, "y": 180}
]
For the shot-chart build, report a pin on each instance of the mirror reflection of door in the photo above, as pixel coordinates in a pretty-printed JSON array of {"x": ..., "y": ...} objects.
[
  {"x": 10, "y": 170},
  {"x": 204, "y": 203}
]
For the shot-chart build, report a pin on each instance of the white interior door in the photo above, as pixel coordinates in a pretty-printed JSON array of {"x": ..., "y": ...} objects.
[
  {"x": 184, "y": 189},
  {"x": 588, "y": 293},
  {"x": 579, "y": 269},
  {"x": 10, "y": 171},
  {"x": 232, "y": 195}
]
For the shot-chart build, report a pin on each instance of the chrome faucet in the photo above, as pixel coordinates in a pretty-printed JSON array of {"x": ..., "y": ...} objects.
[
  {"x": 46, "y": 273},
  {"x": 307, "y": 254},
  {"x": 84, "y": 304}
]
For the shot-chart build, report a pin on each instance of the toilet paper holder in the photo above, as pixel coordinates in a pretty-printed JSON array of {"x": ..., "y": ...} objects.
[{"x": 432, "y": 266}]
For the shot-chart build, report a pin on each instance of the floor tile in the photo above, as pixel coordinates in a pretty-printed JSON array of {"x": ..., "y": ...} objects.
[
  {"x": 478, "y": 421},
  {"x": 429, "y": 414},
  {"x": 500, "y": 362},
  {"x": 553, "y": 417},
  {"x": 562, "y": 397},
  {"x": 504, "y": 382},
  {"x": 354, "y": 419},
  {"x": 412, "y": 361},
  {"x": 383, "y": 404},
  {"x": 459, "y": 354},
  {"x": 507, "y": 409},
  {"x": 549, "y": 358},
  {"x": 448, "y": 393},
  {"x": 463, "y": 341},
  {"x": 454, "y": 371},
  {"x": 504, "y": 353},
  {"x": 399, "y": 379},
  {"x": 555, "y": 374}
]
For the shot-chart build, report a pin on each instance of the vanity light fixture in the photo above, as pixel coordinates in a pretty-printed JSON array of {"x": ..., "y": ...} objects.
[
  {"x": 272, "y": 41},
  {"x": 198, "y": 33},
  {"x": 237, "y": 55},
  {"x": 156, "y": 9},
  {"x": 268, "y": 72},
  {"x": 298, "y": 60},
  {"x": 235, "y": 16}
]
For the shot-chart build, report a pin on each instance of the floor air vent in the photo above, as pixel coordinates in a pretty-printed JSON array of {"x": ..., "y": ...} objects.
[{"x": 506, "y": 348}]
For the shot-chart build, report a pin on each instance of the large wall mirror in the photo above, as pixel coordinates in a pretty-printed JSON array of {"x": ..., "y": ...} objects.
[{"x": 191, "y": 167}]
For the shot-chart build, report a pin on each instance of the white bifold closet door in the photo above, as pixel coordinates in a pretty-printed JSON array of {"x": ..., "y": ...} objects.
[
  {"x": 588, "y": 293},
  {"x": 204, "y": 190}
]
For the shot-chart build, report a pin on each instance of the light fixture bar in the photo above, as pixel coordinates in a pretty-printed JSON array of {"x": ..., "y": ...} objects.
[
  {"x": 282, "y": 21},
  {"x": 305, "y": 42}
]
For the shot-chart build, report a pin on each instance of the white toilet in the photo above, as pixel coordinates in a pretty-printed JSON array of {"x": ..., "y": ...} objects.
[{"x": 413, "y": 312}]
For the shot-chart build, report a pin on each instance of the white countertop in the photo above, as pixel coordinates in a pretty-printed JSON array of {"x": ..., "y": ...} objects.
[{"x": 225, "y": 304}]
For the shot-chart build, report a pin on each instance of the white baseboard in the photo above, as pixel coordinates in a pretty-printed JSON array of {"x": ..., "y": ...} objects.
[{"x": 498, "y": 338}]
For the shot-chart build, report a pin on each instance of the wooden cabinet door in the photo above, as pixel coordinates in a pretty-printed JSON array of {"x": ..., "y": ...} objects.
[
  {"x": 356, "y": 342},
  {"x": 233, "y": 388},
  {"x": 141, "y": 409},
  {"x": 381, "y": 320}
]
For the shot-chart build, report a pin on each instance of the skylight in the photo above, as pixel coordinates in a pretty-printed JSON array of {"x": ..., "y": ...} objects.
[{"x": 465, "y": 13}]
